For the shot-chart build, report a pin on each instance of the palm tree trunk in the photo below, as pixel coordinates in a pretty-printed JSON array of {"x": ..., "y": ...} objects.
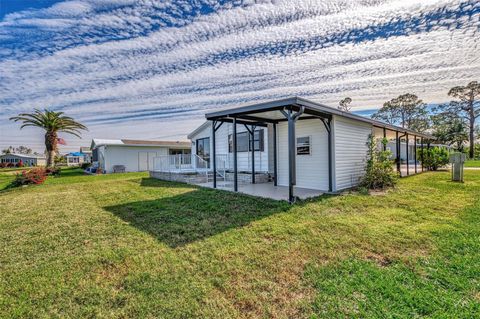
[
  {"x": 51, "y": 159},
  {"x": 51, "y": 146}
]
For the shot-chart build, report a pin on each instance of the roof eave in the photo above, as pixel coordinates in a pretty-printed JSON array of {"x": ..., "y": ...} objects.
[{"x": 198, "y": 129}]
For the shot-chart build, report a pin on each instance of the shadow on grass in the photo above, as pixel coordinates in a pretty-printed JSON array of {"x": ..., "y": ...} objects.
[
  {"x": 195, "y": 215},
  {"x": 153, "y": 182},
  {"x": 70, "y": 172}
]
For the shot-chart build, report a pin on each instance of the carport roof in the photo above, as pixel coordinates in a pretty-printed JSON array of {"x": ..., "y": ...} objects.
[{"x": 269, "y": 113}]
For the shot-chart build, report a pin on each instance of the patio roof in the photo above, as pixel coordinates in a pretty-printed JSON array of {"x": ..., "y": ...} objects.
[{"x": 268, "y": 112}]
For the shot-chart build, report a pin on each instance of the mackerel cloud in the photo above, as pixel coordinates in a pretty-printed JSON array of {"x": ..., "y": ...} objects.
[{"x": 120, "y": 62}]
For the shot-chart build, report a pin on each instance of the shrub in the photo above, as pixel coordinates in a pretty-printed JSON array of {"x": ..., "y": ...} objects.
[
  {"x": 20, "y": 164},
  {"x": 85, "y": 165},
  {"x": 34, "y": 176},
  {"x": 433, "y": 157},
  {"x": 379, "y": 171},
  {"x": 476, "y": 151},
  {"x": 52, "y": 171},
  {"x": 3, "y": 165},
  {"x": 60, "y": 160},
  {"x": 10, "y": 165}
]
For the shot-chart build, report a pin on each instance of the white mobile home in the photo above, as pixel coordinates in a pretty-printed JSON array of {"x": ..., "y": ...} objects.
[
  {"x": 26, "y": 159},
  {"x": 294, "y": 146},
  {"x": 133, "y": 155}
]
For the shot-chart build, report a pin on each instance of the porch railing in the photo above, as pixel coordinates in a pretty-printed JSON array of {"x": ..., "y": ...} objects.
[
  {"x": 179, "y": 163},
  {"x": 189, "y": 163}
]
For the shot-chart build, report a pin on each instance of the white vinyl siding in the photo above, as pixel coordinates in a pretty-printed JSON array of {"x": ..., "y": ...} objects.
[
  {"x": 350, "y": 145},
  {"x": 312, "y": 170},
  {"x": 244, "y": 159},
  {"x": 269, "y": 147},
  {"x": 101, "y": 157},
  {"x": 130, "y": 156}
]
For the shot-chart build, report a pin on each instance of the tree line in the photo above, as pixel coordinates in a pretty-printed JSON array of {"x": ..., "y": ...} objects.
[
  {"x": 452, "y": 123},
  {"x": 25, "y": 150}
]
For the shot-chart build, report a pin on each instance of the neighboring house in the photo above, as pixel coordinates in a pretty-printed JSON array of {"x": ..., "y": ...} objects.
[
  {"x": 75, "y": 158},
  {"x": 78, "y": 158},
  {"x": 299, "y": 147},
  {"x": 27, "y": 159},
  {"x": 134, "y": 155}
]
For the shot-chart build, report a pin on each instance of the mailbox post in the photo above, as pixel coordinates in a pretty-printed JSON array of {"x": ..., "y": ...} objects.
[{"x": 457, "y": 160}]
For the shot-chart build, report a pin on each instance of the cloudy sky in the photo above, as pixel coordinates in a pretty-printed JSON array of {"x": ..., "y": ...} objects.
[{"x": 151, "y": 69}]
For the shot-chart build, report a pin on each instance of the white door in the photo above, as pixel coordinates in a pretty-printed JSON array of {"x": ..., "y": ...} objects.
[{"x": 142, "y": 161}]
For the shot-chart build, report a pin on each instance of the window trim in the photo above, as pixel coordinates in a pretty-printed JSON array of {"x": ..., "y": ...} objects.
[{"x": 309, "y": 145}]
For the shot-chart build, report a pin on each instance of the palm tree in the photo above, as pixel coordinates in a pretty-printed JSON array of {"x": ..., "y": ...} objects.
[{"x": 52, "y": 122}]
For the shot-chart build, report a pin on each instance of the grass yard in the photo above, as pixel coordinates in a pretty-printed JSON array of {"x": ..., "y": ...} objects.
[
  {"x": 472, "y": 163},
  {"x": 128, "y": 246},
  {"x": 7, "y": 175}
]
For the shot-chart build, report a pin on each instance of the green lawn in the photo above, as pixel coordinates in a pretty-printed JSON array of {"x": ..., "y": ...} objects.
[
  {"x": 472, "y": 163},
  {"x": 7, "y": 175},
  {"x": 129, "y": 246}
]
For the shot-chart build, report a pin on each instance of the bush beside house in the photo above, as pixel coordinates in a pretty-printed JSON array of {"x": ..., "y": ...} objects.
[
  {"x": 379, "y": 171},
  {"x": 433, "y": 158}
]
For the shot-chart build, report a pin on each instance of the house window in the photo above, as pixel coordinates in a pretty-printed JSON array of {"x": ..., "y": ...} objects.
[
  {"x": 303, "y": 145},
  {"x": 184, "y": 155},
  {"x": 244, "y": 141},
  {"x": 203, "y": 148},
  {"x": 180, "y": 151},
  {"x": 257, "y": 140}
]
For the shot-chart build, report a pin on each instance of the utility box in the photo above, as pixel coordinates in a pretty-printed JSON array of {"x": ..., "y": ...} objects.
[{"x": 457, "y": 160}]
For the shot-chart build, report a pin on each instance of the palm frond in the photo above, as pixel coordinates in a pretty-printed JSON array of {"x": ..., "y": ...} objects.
[{"x": 50, "y": 121}]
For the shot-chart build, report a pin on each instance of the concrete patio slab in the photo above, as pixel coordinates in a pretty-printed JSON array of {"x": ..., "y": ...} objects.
[{"x": 266, "y": 190}]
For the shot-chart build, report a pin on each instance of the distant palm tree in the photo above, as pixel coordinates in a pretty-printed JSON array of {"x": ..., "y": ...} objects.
[{"x": 52, "y": 122}]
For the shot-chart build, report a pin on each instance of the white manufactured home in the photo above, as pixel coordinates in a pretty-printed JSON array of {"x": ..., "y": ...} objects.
[
  {"x": 125, "y": 155},
  {"x": 26, "y": 159},
  {"x": 290, "y": 148}
]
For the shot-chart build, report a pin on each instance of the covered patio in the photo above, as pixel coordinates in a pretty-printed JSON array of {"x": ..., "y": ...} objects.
[
  {"x": 291, "y": 111},
  {"x": 261, "y": 115}
]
